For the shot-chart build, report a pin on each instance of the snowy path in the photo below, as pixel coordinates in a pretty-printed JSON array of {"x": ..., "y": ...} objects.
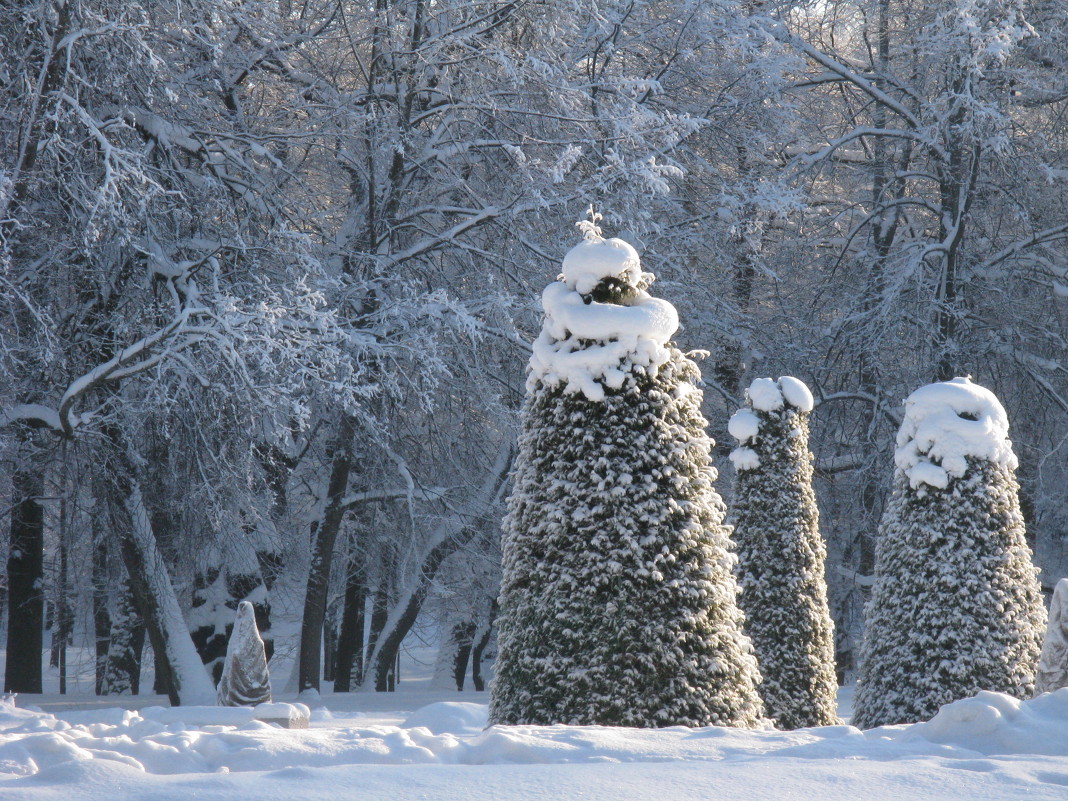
[{"x": 990, "y": 748}]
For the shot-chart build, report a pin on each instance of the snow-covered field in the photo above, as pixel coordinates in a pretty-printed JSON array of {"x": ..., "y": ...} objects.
[{"x": 414, "y": 745}]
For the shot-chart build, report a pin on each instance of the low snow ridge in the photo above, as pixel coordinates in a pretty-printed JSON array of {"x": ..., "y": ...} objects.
[
  {"x": 945, "y": 424},
  {"x": 589, "y": 346},
  {"x": 202, "y": 740}
]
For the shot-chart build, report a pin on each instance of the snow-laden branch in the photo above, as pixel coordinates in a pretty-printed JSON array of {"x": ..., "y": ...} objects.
[
  {"x": 1039, "y": 238},
  {"x": 355, "y": 499},
  {"x": 32, "y": 414},
  {"x": 836, "y": 67},
  {"x": 130, "y": 360}
]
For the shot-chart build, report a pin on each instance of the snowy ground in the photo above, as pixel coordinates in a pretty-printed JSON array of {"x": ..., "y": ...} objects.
[{"x": 414, "y": 745}]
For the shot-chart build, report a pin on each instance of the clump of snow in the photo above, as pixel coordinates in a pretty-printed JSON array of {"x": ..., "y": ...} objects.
[
  {"x": 594, "y": 259},
  {"x": 796, "y": 393},
  {"x": 743, "y": 425},
  {"x": 590, "y": 346},
  {"x": 945, "y": 424},
  {"x": 1053, "y": 663},
  {"x": 764, "y": 395},
  {"x": 745, "y": 459},
  {"x": 768, "y": 395}
]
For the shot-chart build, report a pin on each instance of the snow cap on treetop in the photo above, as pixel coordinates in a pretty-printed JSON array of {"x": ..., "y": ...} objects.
[
  {"x": 947, "y": 422},
  {"x": 591, "y": 346},
  {"x": 594, "y": 259},
  {"x": 765, "y": 395}
]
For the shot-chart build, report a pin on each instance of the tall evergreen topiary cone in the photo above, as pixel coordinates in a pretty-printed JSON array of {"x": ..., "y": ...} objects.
[
  {"x": 956, "y": 607},
  {"x": 617, "y": 601},
  {"x": 781, "y": 555}
]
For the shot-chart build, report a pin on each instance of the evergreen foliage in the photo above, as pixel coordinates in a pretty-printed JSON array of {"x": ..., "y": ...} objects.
[
  {"x": 956, "y": 606},
  {"x": 781, "y": 558},
  {"x": 245, "y": 680},
  {"x": 618, "y": 606}
]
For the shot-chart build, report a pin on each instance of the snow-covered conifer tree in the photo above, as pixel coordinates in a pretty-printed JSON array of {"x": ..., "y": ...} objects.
[
  {"x": 1053, "y": 661},
  {"x": 956, "y": 606},
  {"x": 781, "y": 555},
  {"x": 618, "y": 605},
  {"x": 245, "y": 680}
]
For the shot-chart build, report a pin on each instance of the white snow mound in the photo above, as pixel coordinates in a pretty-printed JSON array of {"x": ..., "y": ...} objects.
[
  {"x": 796, "y": 393},
  {"x": 764, "y": 395},
  {"x": 994, "y": 723},
  {"x": 450, "y": 717},
  {"x": 947, "y": 422},
  {"x": 593, "y": 259},
  {"x": 768, "y": 395},
  {"x": 591, "y": 346},
  {"x": 743, "y": 425}
]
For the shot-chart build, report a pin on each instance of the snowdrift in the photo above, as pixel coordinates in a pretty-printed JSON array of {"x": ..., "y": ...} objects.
[{"x": 163, "y": 741}]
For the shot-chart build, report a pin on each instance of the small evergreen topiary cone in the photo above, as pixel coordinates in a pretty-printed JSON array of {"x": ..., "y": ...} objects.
[
  {"x": 956, "y": 607},
  {"x": 781, "y": 555},
  {"x": 245, "y": 680}
]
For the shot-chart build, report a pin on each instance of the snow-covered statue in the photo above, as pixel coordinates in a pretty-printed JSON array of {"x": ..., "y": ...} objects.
[
  {"x": 956, "y": 606},
  {"x": 1053, "y": 662},
  {"x": 245, "y": 680},
  {"x": 617, "y": 599},
  {"x": 781, "y": 554}
]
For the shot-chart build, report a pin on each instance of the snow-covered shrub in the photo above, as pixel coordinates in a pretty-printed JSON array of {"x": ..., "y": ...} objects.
[
  {"x": 618, "y": 605},
  {"x": 781, "y": 555},
  {"x": 956, "y": 606},
  {"x": 245, "y": 680},
  {"x": 1053, "y": 661}
]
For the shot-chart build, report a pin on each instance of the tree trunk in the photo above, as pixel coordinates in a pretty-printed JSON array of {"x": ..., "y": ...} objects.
[
  {"x": 101, "y": 613},
  {"x": 25, "y": 575},
  {"x": 482, "y": 639},
  {"x": 122, "y": 672},
  {"x": 311, "y": 629},
  {"x": 179, "y": 669},
  {"x": 350, "y": 638}
]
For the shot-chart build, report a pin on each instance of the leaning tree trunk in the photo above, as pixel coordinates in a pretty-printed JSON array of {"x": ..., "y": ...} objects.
[
  {"x": 25, "y": 575},
  {"x": 178, "y": 663}
]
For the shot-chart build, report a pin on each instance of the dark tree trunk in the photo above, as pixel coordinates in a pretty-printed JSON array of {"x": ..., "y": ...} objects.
[
  {"x": 482, "y": 640},
  {"x": 311, "y": 629},
  {"x": 25, "y": 575},
  {"x": 463, "y": 634},
  {"x": 122, "y": 674},
  {"x": 330, "y": 625},
  {"x": 101, "y": 613},
  {"x": 350, "y": 638}
]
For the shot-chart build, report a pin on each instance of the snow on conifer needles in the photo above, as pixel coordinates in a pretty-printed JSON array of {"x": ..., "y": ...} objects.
[
  {"x": 617, "y": 600},
  {"x": 781, "y": 555},
  {"x": 956, "y": 607}
]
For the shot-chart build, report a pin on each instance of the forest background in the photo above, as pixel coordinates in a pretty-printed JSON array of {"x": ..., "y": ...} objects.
[{"x": 269, "y": 272}]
